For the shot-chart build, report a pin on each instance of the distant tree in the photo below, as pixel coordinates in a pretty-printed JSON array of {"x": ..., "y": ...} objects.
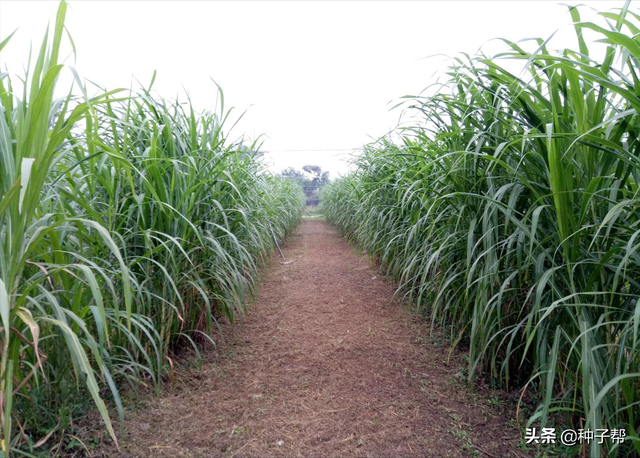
[
  {"x": 312, "y": 178},
  {"x": 318, "y": 177}
]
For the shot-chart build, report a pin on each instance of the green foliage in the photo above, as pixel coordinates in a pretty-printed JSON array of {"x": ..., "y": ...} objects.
[
  {"x": 311, "y": 178},
  {"x": 510, "y": 216},
  {"x": 128, "y": 227}
]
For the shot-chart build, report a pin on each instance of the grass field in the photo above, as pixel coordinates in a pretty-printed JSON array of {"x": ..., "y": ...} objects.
[
  {"x": 509, "y": 215},
  {"x": 129, "y": 226}
]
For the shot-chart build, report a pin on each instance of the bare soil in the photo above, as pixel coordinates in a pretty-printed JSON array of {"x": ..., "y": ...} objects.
[{"x": 325, "y": 364}]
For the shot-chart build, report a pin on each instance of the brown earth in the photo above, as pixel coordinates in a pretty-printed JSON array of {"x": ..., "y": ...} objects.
[{"x": 325, "y": 364}]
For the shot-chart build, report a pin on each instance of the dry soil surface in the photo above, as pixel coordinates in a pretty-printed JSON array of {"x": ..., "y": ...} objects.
[{"x": 325, "y": 364}]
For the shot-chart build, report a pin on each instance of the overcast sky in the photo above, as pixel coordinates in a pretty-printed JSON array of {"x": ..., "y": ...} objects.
[{"x": 317, "y": 79}]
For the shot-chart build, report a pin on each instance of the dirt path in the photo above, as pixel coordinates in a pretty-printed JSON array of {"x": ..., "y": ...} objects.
[{"x": 326, "y": 364}]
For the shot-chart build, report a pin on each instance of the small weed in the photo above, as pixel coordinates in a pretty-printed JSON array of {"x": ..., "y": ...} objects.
[
  {"x": 493, "y": 401},
  {"x": 464, "y": 438}
]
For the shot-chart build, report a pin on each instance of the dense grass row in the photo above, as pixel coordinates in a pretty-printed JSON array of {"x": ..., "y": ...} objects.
[
  {"x": 510, "y": 215},
  {"x": 129, "y": 225}
]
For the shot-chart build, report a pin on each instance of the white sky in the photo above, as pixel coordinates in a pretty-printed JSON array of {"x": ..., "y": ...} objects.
[{"x": 314, "y": 77}]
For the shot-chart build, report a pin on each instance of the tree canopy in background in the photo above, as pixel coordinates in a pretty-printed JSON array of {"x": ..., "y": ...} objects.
[{"x": 312, "y": 179}]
